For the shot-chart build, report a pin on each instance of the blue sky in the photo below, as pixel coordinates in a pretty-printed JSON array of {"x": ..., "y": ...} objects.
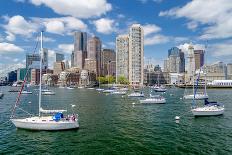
[{"x": 166, "y": 23}]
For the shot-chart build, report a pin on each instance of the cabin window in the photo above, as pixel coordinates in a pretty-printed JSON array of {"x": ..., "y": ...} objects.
[{"x": 43, "y": 120}]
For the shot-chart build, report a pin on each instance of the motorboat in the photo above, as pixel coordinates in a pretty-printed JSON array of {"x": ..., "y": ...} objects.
[
  {"x": 70, "y": 88},
  {"x": 91, "y": 88}
]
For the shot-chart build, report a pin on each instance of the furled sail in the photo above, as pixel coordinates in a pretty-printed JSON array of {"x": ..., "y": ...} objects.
[{"x": 51, "y": 111}]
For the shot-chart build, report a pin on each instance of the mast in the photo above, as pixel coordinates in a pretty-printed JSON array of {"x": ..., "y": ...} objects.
[{"x": 40, "y": 70}]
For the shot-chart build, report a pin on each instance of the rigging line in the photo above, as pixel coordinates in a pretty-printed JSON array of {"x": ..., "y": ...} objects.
[
  {"x": 26, "y": 112},
  {"x": 24, "y": 81}
]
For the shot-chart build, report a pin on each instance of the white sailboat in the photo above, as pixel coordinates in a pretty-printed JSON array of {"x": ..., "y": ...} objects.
[
  {"x": 198, "y": 95},
  {"x": 159, "y": 88},
  {"x": 136, "y": 94},
  {"x": 50, "y": 122},
  {"x": 208, "y": 109},
  {"x": 153, "y": 99},
  {"x": 26, "y": 92},
  {"x": 118, "y": 92}
]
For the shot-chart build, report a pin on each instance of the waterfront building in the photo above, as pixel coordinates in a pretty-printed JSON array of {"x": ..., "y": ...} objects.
[
  {"x": 94, "y": 53},
  {"x": 136, "y": 54},
  {"x": 199, "y": 58},
  {"x": 122, "y": 56},
  {"x": 45, "y": 58},
  {"x": 80, "y": 49},
  {"x": 49, "y": 79},
  {"x": 166, "y": 65},
  {"x": 58, "y": 67},
  {"x": 66, "y": 64},
  {"x": 229, "y": 71},
  {"x": 59, "y": 57},
  {"x": 91, "y": 65},
  {"x": 21, "y": 72},
  {"x": 108, "y": 62},
  {"x": 35, "y": 75},
  {"x": 12, "y": 76}
]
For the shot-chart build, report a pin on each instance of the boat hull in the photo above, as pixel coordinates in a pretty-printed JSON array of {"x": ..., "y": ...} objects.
[
  {"x": 153, "y": 101},
  {"x": 207, "y": 111},
  {"x": 197, "y": 97},
  {"x": 46, "y": 126}
]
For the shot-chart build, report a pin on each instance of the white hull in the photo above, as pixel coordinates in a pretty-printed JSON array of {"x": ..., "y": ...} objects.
[
  {"x": 119, "y": 93},
  {"x": 99, "y": 89},
  {"x": 208, "y": 111},
  {"x": 136, "y": 95},
  {"x": 90, "y": 88},
  {"x": 108, "y": 91},
  {"x": 1, "y": 95},
  {"x": 36, "y": 123},
  {"x": 153, "y": 101},
  {"x": 70, "y": 88},
  {"x": 26, "y": 92},
  {"x": 160, "y": 90},
  {"x": 48, "y": 93},
  {"x": 197, "y": 97}
]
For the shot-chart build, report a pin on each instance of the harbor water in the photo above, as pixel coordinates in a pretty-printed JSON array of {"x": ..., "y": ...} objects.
[{"x": 111, "y": 124}]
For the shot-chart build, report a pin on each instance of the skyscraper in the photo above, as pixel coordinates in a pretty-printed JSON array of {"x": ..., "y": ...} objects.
[
  {"x": 59, "y": 57},
  {"x": 122, "y": 56},
  {"x": 72, "y": 59},
  {"x": 32, "y": 61},
  {"x": 108, "y": 58},
  {"x": 190, "y": 63},
  {"x": 136, "y": 54},
  {"x": 80, "y": 49},
  {"x": 175, "y": 61},
  {"x": 94, "y": 52},
  {"x": 199, "y": 58}
]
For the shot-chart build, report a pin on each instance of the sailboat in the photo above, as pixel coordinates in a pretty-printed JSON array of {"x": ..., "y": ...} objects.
[
  {"x": 57, "y": 121},
  {"x": 209, "y": 108},
  {"x": 198, "y": 95},
  {"x": 153, "y": 99},
  {"x": 159, "y": 88}
]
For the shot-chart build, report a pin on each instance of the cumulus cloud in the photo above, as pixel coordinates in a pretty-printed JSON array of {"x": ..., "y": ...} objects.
[
  {"x": 76, "y": 8},
  {"x": 156, "y": 39},
  {"x": 66, "y": 48},
  {"x": 221, "y": 49},
  {"x": 7, "y": 48},
  {"x": 17, "y": 25},
  {"x": 184, "y": 47},
  {"x": 5, "y": 68},
  {"x": 150, "y": 28},
  {"x": 217, "y": 18},
  {"x": 10, "y": 36},
  {"x": 62, "y": 25},
  {"x": 104, "y": 25}
]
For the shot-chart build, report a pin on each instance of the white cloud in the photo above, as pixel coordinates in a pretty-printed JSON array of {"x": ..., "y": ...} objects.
[
  {"x": 62, "y": 25},
  {"x": 6, "y": 48},
  {"x": 76, "y": 8},
  {"x": 156, "y": 39},
  {"x": 221, "y": 49},
  {"x": 215, "y": 15},
  {"x": 104, "y": 25},
  {"x": 10, "y": 36},
  {"x": 19, "y": 26},
  {"x": 184, "y": 47},
  {"x": 150, "y": 28},
  {"x": 66, "y": 48}
]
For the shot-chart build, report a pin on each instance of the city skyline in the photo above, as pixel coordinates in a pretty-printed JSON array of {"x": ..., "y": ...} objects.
[{"x": 108, "y": 19}]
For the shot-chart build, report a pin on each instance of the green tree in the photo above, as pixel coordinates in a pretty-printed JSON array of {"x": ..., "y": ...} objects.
[{"x": 123, "y": 80}]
